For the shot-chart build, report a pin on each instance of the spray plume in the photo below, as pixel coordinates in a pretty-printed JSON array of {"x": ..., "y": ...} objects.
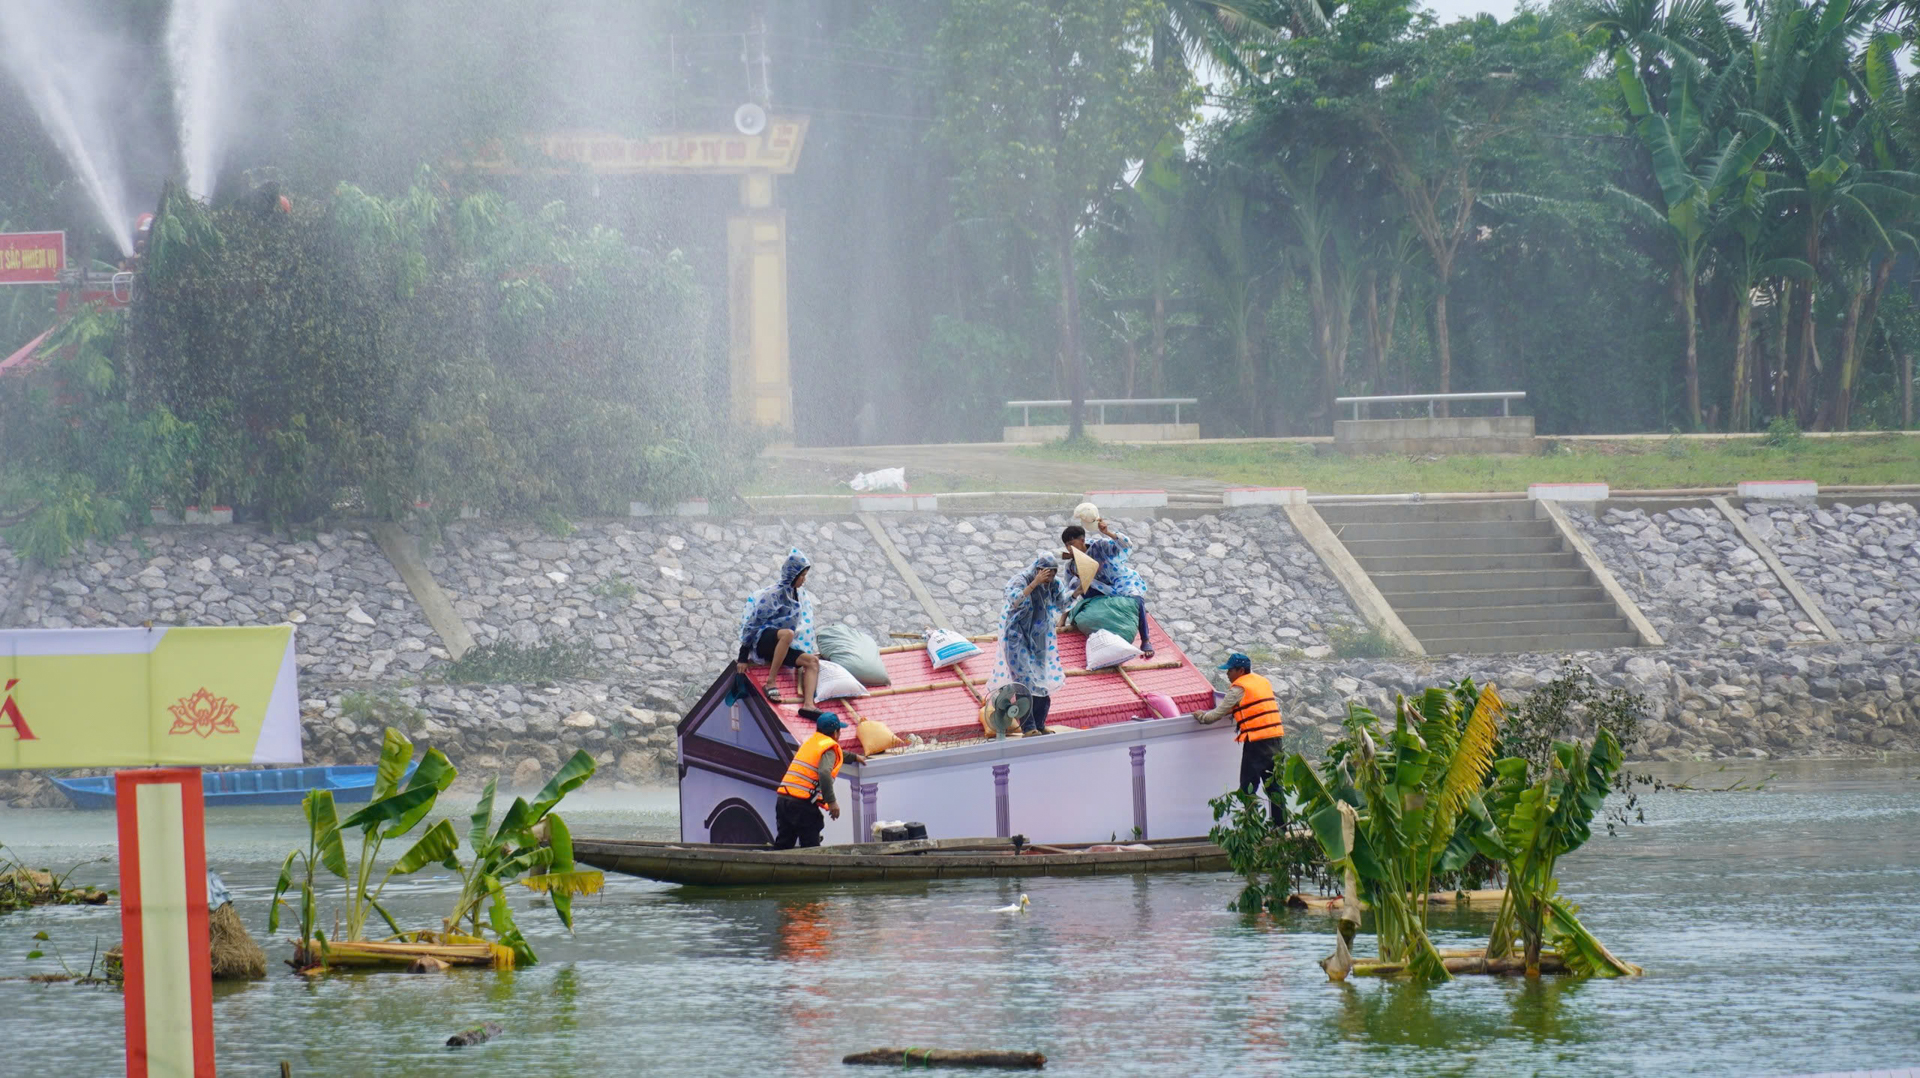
[
  {"x": 196, "y": 47},
  {"x": 66, "y": 68}
]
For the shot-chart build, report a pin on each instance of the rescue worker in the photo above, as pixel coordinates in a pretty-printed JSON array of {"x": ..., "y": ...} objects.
[
  {"x": 808, "y": 785},
  {"x": 1256, "y": 717}
]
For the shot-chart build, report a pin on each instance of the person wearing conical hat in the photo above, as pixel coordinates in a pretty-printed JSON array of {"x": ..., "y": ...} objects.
[{"x": 1111, "y": 574}]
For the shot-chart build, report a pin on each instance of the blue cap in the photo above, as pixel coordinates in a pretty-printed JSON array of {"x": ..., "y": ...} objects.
[
  {"x": 828, "y": 723},
  {"x": 1236, "y": 660}
]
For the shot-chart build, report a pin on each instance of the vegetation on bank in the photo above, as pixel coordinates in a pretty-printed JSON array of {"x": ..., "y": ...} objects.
[
  {"x": 1638, "y": 464},
  {"x": 367, "y": 356}
]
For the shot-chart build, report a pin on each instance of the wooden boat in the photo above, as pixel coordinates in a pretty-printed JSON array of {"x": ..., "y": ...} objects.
[
  {"x": 267, "y": 786},
  {"x": 714, "y": 864}
]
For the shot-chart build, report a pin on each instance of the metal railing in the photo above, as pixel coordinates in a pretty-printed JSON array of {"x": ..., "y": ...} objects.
[
  {"x": 1506, "y": 400},
  {"x": 1026, "y": 407}
]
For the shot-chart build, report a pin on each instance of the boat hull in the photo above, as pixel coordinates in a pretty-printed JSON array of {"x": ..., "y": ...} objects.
[
  {"x": 706, "y": 865},
  {"x": 221, "y": 789}
]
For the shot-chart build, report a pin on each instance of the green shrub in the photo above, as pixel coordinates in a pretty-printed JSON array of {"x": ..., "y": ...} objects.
[
  {"x": 382, "y": 708},
  {"x": 1784, "y": 433},
  {"x": 507, "y": 661},
  {"x": 1361, "y": 642}
]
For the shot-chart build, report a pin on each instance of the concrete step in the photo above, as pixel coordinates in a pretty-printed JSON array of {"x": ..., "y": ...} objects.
[
  {"x": 1508, "y": 597},
  {"x": 1499, "y": 581},
  {"x": 1418, "y": 617},
  {"x": 1544, "y": 628},
  {"x": 1494, "y": 645},
  {"x": 1446, "y": 529},
  {"x": 1379, "y": 567},
  {"x": 1420, "y": 543},
  {"x": 1338, "y": 513}
]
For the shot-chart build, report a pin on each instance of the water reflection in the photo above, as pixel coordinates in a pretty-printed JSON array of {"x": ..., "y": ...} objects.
[{"x": 1732, "y": 901}]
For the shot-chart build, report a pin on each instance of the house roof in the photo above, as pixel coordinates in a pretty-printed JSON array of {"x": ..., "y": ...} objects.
[{"x": 951, "y": 712}]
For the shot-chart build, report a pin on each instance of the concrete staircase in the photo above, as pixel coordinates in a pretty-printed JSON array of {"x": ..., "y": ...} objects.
[{"x": 1479, "y": 576}]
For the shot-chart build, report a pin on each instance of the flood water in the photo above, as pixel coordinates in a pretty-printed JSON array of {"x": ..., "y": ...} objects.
[{"x": 1780, "y": 930}]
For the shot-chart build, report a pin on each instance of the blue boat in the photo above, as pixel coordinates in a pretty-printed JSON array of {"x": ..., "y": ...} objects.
[{"x": 268, "y": 786}]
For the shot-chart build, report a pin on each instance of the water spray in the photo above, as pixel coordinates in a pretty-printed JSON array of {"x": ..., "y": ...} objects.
[
  {"x": 49, "y": 53},
  {"x": 196, "y": 47}
]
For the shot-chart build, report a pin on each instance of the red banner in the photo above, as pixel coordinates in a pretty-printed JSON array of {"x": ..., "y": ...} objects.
[{"x": 32, "y": 257}]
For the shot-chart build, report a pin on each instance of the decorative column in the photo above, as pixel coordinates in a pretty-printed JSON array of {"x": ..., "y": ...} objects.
[
  {"x": 757, "y": 307},
  {"x": 1138, "y": 754},
  {"x": 1002, "y": 813},
  {"x": 869, "y": 797}
]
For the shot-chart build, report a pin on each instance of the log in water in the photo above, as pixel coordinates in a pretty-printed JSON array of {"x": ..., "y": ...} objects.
[{"x": 983, "y": 1058}]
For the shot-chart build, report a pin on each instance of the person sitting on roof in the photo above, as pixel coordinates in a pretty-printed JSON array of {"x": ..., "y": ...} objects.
[
  {"x": 1115, "y": 577},
  {"x": 1029, "y": 654},
  {"x": 777, "y": 629},
  {"x": 808, "y": 785},
  {"x": 1256, "y": 717}
]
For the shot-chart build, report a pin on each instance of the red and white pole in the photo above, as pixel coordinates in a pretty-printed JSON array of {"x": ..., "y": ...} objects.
[{"x": 163, "y": 922}]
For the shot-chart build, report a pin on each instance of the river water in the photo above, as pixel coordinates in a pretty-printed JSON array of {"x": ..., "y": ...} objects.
[{"x": 1780, "y": 930}]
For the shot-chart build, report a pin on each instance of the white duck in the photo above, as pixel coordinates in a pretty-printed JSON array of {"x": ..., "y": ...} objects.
[{"x": 1017, "y": 907}]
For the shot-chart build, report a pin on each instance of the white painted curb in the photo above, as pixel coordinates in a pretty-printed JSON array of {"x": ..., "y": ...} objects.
[
  {"x": 1568, "y": 492},
  {"x": 1770, "y": 489},
  {"x": 692, "y": 507},
  {"x": 1128, "y": 499},
  {"x": 220, "y": 514},
  {"x": 1237, "y": 496},
  {"x": 896, "y": 503}
]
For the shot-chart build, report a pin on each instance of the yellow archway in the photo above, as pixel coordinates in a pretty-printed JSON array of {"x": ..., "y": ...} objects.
[{"x": 762, "y": 385}]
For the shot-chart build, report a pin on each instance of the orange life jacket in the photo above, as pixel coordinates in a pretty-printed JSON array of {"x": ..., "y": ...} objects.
[
  {"x": 803, "y": 774},
  {"x": 1258, "y": 716}
]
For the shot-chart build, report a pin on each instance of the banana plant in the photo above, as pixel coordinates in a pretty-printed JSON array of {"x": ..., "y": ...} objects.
[
  {"x": 1387, "y": 807},
  {"x": 512, "y": 852},
  {"x": 394, "y": 811},
  {"x": 1536, "y": 821},
  {"x": 324, "y": 850}
]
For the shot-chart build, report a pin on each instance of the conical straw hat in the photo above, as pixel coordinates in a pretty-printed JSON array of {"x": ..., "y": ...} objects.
[{"x": 1085, "y": 568}]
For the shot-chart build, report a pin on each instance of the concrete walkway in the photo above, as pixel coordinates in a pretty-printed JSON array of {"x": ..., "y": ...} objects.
[{"x": 994, "y": 461}]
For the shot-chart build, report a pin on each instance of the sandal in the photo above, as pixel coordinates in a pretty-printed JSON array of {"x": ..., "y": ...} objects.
[{"x": 773, "y": 693}]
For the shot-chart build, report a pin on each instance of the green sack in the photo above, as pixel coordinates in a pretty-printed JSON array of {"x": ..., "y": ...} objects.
[
  {"x": 1116, "y": 614},
  {"x": 856, "y": 651}
]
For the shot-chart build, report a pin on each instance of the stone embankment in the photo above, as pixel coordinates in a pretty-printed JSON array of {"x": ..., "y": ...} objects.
[{"x": 658, "y": 601}]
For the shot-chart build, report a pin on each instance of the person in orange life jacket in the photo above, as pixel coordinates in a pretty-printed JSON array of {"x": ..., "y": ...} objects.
[
  {"x": 808, "y": 785},
  {"x": 1116, "y": 577},
  {"x": 1256, "y": 717}
]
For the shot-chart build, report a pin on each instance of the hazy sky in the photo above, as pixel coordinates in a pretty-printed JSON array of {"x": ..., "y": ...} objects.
[{"x": 1449, "y": 10}]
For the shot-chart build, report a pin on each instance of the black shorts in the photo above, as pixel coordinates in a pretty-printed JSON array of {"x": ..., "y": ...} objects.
[{"x": 770, "y": 639}]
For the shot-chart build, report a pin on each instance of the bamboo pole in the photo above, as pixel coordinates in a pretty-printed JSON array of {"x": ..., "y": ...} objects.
[{"x": 1166, "y": 665}]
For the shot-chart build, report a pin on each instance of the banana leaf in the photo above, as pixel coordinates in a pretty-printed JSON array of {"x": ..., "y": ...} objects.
[
  {"x": 1583, "y": 953},
  {"x": 323, "y": 825},
  {"x": 395, "y": 752},
  {"x": 438, "y": 845}
]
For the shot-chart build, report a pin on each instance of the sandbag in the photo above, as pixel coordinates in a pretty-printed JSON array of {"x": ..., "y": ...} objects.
[
  {"x": 1116, "y": 614},
  {"x": 946, "y": 647},
  {"x": 1160, "y": 704},
  {"x": 875, "y": 737},
  {"x": 856, "y": 651},
  {"x": 1105, "y": 649},
  {"x": 836, "y": 683}
]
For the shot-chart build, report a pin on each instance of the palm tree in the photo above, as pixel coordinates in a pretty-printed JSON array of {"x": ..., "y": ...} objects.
[{"x": 1699, "y": 170}]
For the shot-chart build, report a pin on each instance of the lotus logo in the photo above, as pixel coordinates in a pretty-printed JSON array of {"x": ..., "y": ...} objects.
[{"x": 203, "y": 713}]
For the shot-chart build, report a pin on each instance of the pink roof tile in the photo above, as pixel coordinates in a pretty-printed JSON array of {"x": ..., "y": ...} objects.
[{"x": 951, "y": 712}]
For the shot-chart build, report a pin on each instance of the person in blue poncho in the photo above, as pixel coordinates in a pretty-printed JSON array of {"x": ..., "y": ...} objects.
[
  {"x": 777, "y": 629},
  {"x": 1029, "y": 654},
  {"x": 1115, "y": 577}
]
